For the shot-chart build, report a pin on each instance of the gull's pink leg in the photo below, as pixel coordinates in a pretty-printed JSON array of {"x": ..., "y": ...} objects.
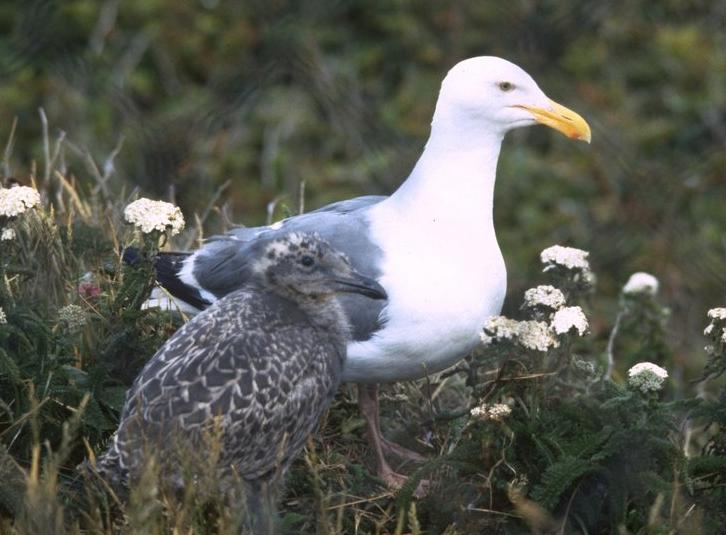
[{"x": 368, "y": 404}]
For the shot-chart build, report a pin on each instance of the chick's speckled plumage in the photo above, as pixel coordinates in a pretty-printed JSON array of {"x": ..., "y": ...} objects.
[{"x": 261, "y": 364}]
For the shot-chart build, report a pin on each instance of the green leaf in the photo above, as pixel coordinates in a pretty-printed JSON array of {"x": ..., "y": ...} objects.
[{"x": 558, "y": 478}]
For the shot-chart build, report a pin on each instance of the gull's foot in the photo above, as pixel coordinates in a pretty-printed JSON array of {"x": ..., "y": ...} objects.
[
  {"x": 401, "y": 452},
  {"x": 395, "y": 481}
]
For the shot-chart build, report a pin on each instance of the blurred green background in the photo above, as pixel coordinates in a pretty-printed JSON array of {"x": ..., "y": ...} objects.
[{"x": 339, "y": 95}]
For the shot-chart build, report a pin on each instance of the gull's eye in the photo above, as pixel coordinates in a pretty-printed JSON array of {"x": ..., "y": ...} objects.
[
  {"x": 307, "y": 261},
  {"x": 505, "y": 86}
]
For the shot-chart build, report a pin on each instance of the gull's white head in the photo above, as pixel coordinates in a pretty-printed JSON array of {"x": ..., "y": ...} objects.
[{"x": 491, "y": 96}]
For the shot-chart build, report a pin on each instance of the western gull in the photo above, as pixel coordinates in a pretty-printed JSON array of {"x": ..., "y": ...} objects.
[
  {"x": 431, "y": 244},
  {"x": 260, "y": 365}
]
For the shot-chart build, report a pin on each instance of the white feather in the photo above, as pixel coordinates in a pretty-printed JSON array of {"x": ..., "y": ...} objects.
[{"x": 442, "y": 267}]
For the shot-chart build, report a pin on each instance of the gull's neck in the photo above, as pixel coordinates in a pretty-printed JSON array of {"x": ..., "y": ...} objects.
[{"x": 453, "y": 180}]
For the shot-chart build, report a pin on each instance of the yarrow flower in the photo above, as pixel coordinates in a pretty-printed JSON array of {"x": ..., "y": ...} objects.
[
  {"x": 568, "y": 318},
  {"x": 544, "y": 296},
  {"x": 73, "y": 316},
  {"x": 716, "y": 331},
  {"x": 3, "y": 317},
  {"x": 500, "y": 328},
  {"x": 534, "y": 335},
  {"x": 497, "y": 412},
  {"x": 641, "y": 284},
  {"x": 718, "y": 323},
  {"x": 17, "y": 200},
  {"x": 7, "y": 234},
  {"x": 647, "y": 377},
  {"x": 150, "y": 215},
  {"x": 568, "y": 257}
]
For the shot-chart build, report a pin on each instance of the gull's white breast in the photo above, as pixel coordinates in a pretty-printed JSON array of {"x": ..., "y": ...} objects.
[{"x": 443, "y": 279}]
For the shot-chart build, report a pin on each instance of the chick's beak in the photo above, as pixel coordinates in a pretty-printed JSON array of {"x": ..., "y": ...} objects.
[
  {"x": 561, "y": 119},
  {"x": 357, "y": 283}
]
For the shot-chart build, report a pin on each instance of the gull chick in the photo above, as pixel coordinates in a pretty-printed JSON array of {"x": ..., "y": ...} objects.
[{"x": 257, "y": 369}]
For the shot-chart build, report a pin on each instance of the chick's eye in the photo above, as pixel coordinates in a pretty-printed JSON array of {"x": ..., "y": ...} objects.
[
  {"x": 307, "y": 261},
  {"x": 505, "y": 86}
]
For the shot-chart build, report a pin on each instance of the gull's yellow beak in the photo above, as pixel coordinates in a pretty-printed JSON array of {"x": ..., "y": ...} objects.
[{"x": 561, "y": 119}]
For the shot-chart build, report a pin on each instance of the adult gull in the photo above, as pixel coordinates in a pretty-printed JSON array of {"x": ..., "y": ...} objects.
[{"x": 431, "y": 244}]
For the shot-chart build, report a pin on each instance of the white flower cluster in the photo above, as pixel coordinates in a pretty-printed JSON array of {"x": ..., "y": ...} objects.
[
  {"x": 535, "y": 335},
  {"x": 544, "y": 296},
  {"x": 73, "y": 316},
  {"x": 647, "y": 377},
  {"x": 18, "y": 199},
  {"x": 497, "y": 411},
  {"x": 3, "y": 317},
  {"x": 546, "y": 304},
  {"x": 150, "y": 215},
  {"x": 500, "y": 328},
  {"x": 570, "y": 262},
  {"x": 570, "y": 318},
  {"x": 713, "y": 328},
  {"x": 641, "y": 284},
  {"x": 7, "y": 234},
  {"x": 567, "y": 257},
  {"x": 716, "y": 330}
]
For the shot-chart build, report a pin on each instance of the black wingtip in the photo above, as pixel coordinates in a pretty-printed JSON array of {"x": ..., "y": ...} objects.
[
  {"x": 130, "y": 256},
  {"x": 168, "y": 266}
]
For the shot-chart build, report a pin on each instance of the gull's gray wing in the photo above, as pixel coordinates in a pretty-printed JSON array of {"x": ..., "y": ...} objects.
[
  {"x": 223, "y": 264},
  {"x": 351, "y": 205}
]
